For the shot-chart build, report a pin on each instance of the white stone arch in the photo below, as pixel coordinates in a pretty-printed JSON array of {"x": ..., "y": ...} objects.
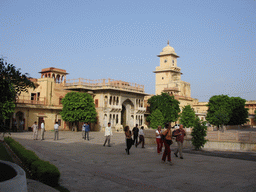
[{"x": 127, "y": 113}]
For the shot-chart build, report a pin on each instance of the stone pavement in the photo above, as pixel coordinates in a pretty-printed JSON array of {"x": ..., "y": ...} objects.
[{"x": 88, "y": 166}]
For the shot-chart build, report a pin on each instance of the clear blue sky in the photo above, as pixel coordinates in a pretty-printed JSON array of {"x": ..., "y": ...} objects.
[{"x": 97, "y": 39}]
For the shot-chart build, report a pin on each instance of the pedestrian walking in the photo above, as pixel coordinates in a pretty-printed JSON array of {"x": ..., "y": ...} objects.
[
  {"x": 56, "y": 131},
  {"x": 21, "y": 125},
  {"x": 180, "y": 134},
  {"x": 128, "y": 136},
  {"x": 167, "y": 134},
  {"x": 135, "y": 132},
  {"x": 35, "y": 130},
  {"x": 108, "y": 134},
  {"x": 159, "y": 140},
  {"x": 141, "y": 137},
  {"x": 42, "y": 130},
  {"x": 86, "y": 131},
  {"x": 83, "y": 131}
]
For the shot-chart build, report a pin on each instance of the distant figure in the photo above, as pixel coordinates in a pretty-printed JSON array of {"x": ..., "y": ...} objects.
[
  {"x": 83, "y": 130},
  {"x": 86, "y": 131},
  {"x": 128, "y": 136},
  {"x": 35, "y": 130},
  {"x": 167, "y": 142},
  {"x": 108, "y": 134},
  {"x": 159, "y": 140},
  {"x": 135, "y": 132},
  {"x": 56, "y": 131},
  {"x": 21, "y": 125},
  {"x": 180, "y": 134},
  {"x": 141, "y": 137},
  {"x": 14, "y": 125},
  {"x": 42, "y": 130}
]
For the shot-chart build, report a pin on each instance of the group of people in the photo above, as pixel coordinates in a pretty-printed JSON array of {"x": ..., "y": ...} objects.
[
  {"x": 162, "y": 137},
  {"x": 135, "y": 132},
  {"x": 35, "y": 130},
  {"x": 165, "y": 137}
]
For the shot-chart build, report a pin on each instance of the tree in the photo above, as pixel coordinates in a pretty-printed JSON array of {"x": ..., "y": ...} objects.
[
  {"x": 78, "y": 107},
  {"x": 239, "y": 112},
  {"x": 188, "y": 116},
  {"x": 168, "y": 106},
  {"x": 225, "y": 110},
  {"x": 221, "y": 117},
  {"x": 157, "y": 119},
  {"x": 12, "y": 83},
  {"x": 255, "y": 115},
  {"x": 198, "y": 134}
]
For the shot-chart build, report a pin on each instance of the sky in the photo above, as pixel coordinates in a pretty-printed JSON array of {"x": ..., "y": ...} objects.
[{"x": 96, "y": 39}]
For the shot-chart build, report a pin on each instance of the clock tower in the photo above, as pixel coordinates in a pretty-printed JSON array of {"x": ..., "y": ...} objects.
[{"x": 168, "y": 75}]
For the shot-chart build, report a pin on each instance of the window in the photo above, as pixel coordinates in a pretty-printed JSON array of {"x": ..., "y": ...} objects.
[
  {"x": 162, "y": 77},
  {"x": 96, "y": 103},
  {"x": 38, "y": 96},
  {"x": 60, "y": 99},
  {"x": 33, "y": 96}
]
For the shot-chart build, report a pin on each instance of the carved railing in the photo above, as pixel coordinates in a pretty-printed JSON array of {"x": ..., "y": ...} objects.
[
  {"x": 104, "y": 83},
  {"x": 31, "y": 100}
]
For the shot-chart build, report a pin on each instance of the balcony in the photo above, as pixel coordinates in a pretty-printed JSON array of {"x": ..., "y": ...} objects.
[{"x": 31, "y": 100}]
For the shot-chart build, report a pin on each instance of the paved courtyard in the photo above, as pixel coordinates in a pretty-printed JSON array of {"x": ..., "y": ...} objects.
[{"x": 88, "y": 166}]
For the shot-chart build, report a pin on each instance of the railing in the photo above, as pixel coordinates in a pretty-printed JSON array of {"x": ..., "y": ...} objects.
[
  {"x": 104, "y": 83},
  {"x": 31, "y": 100},
  {"x": 232, "y": 136}
]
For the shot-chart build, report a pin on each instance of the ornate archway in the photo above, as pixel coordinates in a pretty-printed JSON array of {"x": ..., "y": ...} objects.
[{"x": 127, "y": 116}]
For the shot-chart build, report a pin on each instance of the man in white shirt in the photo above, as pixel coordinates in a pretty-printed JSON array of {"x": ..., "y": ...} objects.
[
  {"x": 108, "y": 133},
  {"x": 35, "y": 130},
  {"x": 141, "y": 137},
  {"x": 56, "y": 131},
  {"x": 42, "y": 130},
  {"x": 83, "y": 131}
]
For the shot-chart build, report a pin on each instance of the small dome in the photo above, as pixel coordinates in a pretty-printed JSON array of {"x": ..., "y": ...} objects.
[{"x": 168, "y": 50}]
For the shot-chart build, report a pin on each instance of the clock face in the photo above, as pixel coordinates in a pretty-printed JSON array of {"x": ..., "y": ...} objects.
[{"x": 165, "y": 60}]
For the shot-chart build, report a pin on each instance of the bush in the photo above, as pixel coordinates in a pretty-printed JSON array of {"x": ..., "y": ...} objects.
[
  {"x": 198, "y": 134},
  {"x": 41, "y": 170},
  {"x": 45, "y": 172}
]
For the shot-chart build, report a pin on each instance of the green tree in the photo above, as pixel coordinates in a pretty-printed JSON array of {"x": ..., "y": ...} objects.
[
  {"x": 78, "y": 107},
  {"x": 168, "y": 106},
  {"x": 225, "y": 110},
  {"x": 12, "y": 83},
  {"x": 198, "y": 134},
  {"x": 156, "y": 119},
  {"x": 239, "y": 112},
  {"x": 188, "y": 116},
  {"x": 221, "y": 117},
  {"x": 255, "y": 115}
]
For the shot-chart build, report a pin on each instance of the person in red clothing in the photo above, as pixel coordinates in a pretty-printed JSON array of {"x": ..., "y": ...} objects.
[
  {"x": 159, "y": 140},
  {"x": 180, "y": 134},
  {"x": 167, "y": 142}
]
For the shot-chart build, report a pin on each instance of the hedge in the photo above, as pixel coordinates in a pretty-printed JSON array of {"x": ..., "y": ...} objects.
[
  {"x": 41, "y": 170},
  {"x": 45, "y": 172}
]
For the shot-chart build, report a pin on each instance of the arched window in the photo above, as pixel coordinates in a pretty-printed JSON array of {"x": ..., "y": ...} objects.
[
  {"x": 105, "y": 101},
  {"x": 117, "y": 100},
  {"x": 110, "y": 100}
]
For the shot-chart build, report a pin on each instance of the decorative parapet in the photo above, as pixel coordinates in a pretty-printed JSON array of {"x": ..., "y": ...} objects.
[
  {"x": 31, "y": 100},
  {"x": 104, "y": 84},
  {"x": 234, "y": 136}
]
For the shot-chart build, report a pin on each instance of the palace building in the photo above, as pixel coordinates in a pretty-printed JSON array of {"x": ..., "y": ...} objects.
[{"x": 119, "y": 102}]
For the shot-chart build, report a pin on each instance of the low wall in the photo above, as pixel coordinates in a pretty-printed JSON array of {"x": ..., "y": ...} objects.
[{"x": 217, "y": 140}]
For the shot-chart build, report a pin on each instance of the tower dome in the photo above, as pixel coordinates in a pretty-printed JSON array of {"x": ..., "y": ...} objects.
[{"x": 168, "y": 50}]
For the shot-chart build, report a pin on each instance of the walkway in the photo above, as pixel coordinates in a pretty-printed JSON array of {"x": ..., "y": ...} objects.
[{"x": 88, "y": 166}]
